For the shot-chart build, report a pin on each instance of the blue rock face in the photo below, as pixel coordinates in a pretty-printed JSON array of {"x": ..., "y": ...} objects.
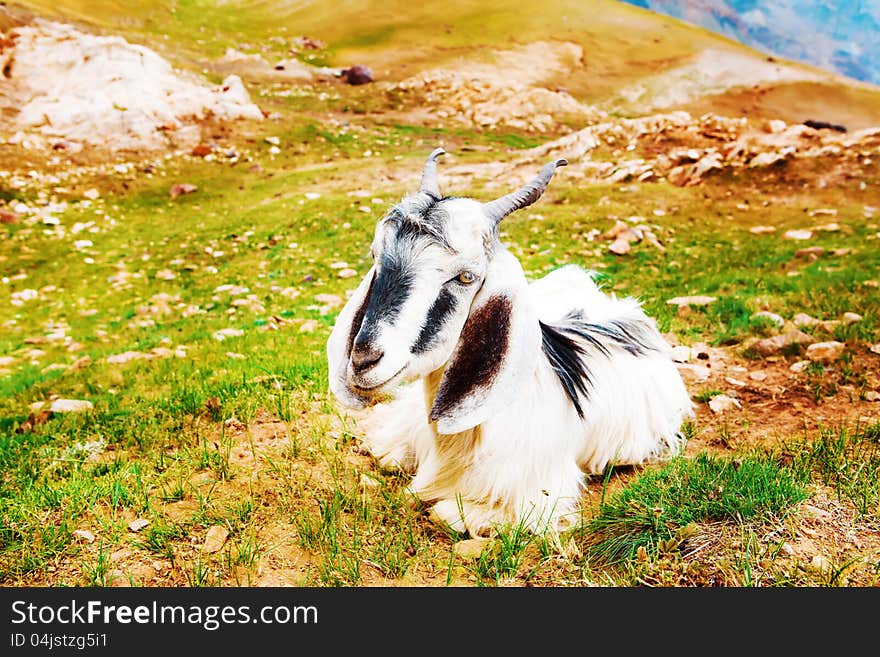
[{"x": 841, "y": 36}]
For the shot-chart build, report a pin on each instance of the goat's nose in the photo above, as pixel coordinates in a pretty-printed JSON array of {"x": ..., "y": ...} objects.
[{"x": 364, "y": 357}]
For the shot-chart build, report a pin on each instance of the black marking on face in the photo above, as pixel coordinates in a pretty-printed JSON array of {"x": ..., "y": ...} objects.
[
  {"x": 481, "y": 351},
  {"x": 567, "y": 343},
  {"x": 358, "y": 318},
  {"x": 441, "y": 309},
  {"x": 391, "y": 288}
]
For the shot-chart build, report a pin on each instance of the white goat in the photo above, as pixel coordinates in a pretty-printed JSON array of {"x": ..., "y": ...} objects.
[{"x": 525, "y": 385}]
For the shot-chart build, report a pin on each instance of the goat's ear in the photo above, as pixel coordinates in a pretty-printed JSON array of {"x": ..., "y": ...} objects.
[
  {"x": 496, "y": 353},
  {"x": 348, "y": 323}
]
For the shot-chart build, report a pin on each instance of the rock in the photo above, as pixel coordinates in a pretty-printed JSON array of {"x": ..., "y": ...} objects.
[
  {"x": 775, "y": 126},
  {"x": 828, "y": 228},
  {"x": 825, "y": 352},
  {"x": 757, "y": 376},
  {"x": 215, "y": 539},
  {"x": 735, "y": 382},
  {"x": 800, "y": 234},
  {"x": 761, "y": 230},
  {"x": 178, "y": 189},
  {"x": 820, "y": 563},
  {"x": 681, "y": 354},
  {"x": 802, "y": 320},
  {"x": 309, "y": 326},
  {"x": 138, "y": 524},
  {"x": 472, "y": 548},
  {"x": 775, "y": 319},
  {"x": 201, "y": 150},
  {"x": 851, "y": 318},
  {"x": 367, "y": 482},
  {"x": 815, "y": 512},
  {"x": 338, "y": 265},
  {"x": 8, "y": 217},
  {"x": 697, "y": 300},
  {"x": 721, "y": 403},
  {"x": 810, "y": 253},
  {"x": 620, "y": 247},
  {"x": 875, "y": 348},
  {"x": 770, "y": 346},
  {"x": 117, "y": 579},
  {"x": 799, "y": 366},
  {"x": 347, "y": 273},
  {"x": 222, "y": 334},
  {"x": 125, "y": 357},
  {"x": 66, "y": 406},
  {"x": 357, "y": 74},
  {"x": 84, "y": 535},
  {"x": 872, "y": 396}
]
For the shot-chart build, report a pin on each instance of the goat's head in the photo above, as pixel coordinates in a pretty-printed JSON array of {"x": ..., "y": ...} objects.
[{"x": 442, "y": 291}]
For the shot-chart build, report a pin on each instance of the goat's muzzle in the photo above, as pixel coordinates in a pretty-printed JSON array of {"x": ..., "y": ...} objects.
[{"x": 364, "y": 357}]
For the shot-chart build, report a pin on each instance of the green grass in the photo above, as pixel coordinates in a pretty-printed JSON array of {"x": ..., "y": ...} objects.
[
  {"x": 174, "y": 436},
  {"x": 657, "y": 509}
]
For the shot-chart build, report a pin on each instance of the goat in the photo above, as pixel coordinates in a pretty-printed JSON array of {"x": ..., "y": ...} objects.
[{"x": 525, "y": 386}]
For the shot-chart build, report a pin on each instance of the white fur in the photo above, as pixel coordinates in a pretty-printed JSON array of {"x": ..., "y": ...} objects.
[{"x": 526, "y": 462}]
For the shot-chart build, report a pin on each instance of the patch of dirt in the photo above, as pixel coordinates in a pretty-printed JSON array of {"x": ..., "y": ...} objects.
[{"x": 510, "y": 90}]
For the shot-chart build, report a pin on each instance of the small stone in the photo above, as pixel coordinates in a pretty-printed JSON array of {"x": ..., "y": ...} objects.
[
  {"x": 201, "y": 150},
  {"x": 758, "y": 376},
  {"x": 721, "y": 403},
  {"x": 165, "y": 275},
  {"x": 138, "y": 524},
  {"x": 851, "y": 318},
  {"x": 697, "y": 300},
  {"x": 177, "y": 189},
  {"x": 828, "y": 228},
  {"x": 357, "y": 74},
  {"x": 799, "y": 366},
  {"x": 70, "y": 406},
  {"x": 875, "y": 348},
  {"x": 84, "y": 535},
  {"x": 800, "y": 234},
  {"x": 309, "y": 326},
  {"x": 117, "y": 579},
  {"x": 472, "y": 548},
  {"x": 215, "y": 539},
  {"x": 770, "y": 346},
  {"x": 820, "y": 563},
  {"x": 681, "y": 354},
  {"x": 762, "y": 230},
  {"x": 734, "y": 382},
  {"x": 222, "y": 334},
  {"x": 872, "y": 396},
  {"x": 773, "y": 318},
  {"x": 816, "y": 513},
  {"x": 347, "y": 273},
  {"x": 825, "y": 352},
  {"x": 620, "y": 246},
  {"x": 802, "y": 320},
  {"x": 368, "y": 483},
  {"x": 125, "y": 357},
  {"x": 338, "y": 265},
  {"x": 810, "y": 253}
]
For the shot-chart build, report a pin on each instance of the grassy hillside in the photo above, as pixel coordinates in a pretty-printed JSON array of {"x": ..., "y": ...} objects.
[{"x": 195, "y": 326}]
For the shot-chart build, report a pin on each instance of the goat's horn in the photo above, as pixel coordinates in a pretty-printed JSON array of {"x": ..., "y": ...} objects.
[
  {"x": 429, "y": 175},
  {"x": 526, "y": 195}
]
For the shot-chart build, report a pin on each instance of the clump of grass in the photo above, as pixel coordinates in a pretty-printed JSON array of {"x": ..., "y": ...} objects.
[
  {"x": 657, "y": 506},
  {"x": 706, "y": 395},
  {"x": 848, "y": 461}
]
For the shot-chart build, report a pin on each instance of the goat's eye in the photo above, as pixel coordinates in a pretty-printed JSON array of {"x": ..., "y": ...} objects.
[{"x": 466, "y": 278}]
